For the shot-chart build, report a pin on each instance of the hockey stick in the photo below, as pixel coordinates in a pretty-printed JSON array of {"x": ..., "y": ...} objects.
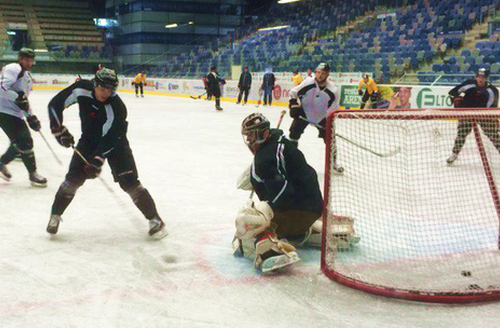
[
  {"x": 261, "y": 94},
  {"x": 389, "y": 154},
  {"x": 198, "y": 97},
  {"x": 283, "y": 112},
  {"x": 87, "y": 162},
  {"x": 50, "y": 148}
]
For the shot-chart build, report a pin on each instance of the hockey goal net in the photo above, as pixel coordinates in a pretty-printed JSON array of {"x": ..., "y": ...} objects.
[{"x": 429, "y": 231}]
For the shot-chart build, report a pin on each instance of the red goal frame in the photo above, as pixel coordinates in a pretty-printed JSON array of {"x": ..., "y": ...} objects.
[{"x": 417, "y": 114}]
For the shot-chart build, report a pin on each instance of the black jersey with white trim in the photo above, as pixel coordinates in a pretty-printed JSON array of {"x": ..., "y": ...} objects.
[
  {"x": 281, "y": 176},
  {"x": 316, "y": 101},
  {"x": 474, "y": 96},
  {"x": 103, "y": 125}
]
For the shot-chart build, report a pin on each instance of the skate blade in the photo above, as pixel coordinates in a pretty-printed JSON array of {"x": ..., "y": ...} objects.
[
  {"x": 38, "y": 185},
  {"x": 278, "y": 262},
  {"x": 4, "y": 177},
  {"x": 51, "y": 233},
  {"x": 159, "y": 235}
]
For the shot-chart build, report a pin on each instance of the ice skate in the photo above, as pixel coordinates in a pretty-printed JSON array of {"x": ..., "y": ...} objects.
[
  {"x": 37, "y": 180},
  {"x": 273, "y": 254},
  {"x": 218, "y": 108},
  {"x": 53, "y": 225},
  {"x": 157, "y": 228},
  {"x": 142, "y": 96},
  {"x": 4, "y": 173},
  {"x": 237, "y": 103},
  {"x": 343, "y": 234},
  {"x": 452, "y": 159}
]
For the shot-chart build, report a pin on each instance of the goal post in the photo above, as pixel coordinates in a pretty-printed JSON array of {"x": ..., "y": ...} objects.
[{"x": 428, "y": 231}]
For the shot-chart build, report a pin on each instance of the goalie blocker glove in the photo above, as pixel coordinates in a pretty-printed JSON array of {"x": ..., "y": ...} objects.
[{"x": 63, "y": 137}]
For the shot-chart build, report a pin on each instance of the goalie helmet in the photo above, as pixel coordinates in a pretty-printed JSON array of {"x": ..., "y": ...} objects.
[
  {"x": 255, "y": 131},
  {"x": 106, "y": 78}
]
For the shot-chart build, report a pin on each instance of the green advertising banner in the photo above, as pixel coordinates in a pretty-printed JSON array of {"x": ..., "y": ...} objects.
[
  {"x": 399, "y": 97},
  {"x": 349, "y": 97}
]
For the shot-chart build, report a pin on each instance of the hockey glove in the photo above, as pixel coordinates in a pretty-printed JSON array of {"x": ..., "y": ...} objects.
[
  {"x": 63, "y": 136},
  {"x": 22, "y": 101},
  {"x": 94, "y": 167},
  {"x": 458, "y": 102},
  {"x": 34, "y": 123},
  {"x": 295, "y": 109},
  {"x": 360, "y": 92}
]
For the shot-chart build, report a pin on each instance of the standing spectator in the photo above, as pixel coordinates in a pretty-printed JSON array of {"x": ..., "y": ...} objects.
[
  {"x": 244, "y": 85},
  {"x": 268, "y": 82},
  {"x": 309, "y": 72},
  {"x": 139, "y": 81},
  {"x": 297, "y": 78}
]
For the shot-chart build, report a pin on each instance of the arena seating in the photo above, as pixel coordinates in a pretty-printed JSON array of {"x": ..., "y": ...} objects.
[
  {"x": 68, "y": 34},
  {"x": 405, "y": 39}
]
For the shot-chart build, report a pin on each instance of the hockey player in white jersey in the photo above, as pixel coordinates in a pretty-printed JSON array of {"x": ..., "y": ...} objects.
[
  {"x": 15, "y": 87},
  {"x": 311, "y": 102}
]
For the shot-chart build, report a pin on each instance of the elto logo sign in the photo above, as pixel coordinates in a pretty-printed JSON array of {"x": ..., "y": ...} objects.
[{"x": 428, "y": 98}]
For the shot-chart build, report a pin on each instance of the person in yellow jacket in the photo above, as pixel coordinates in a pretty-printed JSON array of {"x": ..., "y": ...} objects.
[
  {"x": 139, "y": 81},
  {"x": 371, "y": 90},
  {"x": 297, "y": 78}
]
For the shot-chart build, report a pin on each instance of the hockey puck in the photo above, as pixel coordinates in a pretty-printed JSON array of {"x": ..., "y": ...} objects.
[{"x": 466, "y": 273}]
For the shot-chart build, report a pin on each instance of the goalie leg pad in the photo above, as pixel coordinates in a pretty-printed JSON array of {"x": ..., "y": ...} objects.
[
  {"x": 253, "y": 219},
  {"x": 244, "y": 247},
  {"x": 272, "y": 254}
]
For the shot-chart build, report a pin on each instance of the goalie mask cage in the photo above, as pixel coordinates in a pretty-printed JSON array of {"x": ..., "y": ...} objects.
[{"x": 428, "y": 231}]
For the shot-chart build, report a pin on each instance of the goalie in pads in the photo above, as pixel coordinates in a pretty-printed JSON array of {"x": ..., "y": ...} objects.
[{"x": 290, "y": 198}]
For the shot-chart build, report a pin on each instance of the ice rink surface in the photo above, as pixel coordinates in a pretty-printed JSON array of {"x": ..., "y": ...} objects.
[{"x": 101, "y": 270}]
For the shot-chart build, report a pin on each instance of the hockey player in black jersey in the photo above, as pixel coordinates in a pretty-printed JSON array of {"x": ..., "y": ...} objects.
[
  {"x": 213, "y": 85},
  {"x": 477, "y": 93},
  {"x": 104, "y": 137},
  {"x": 290, "y": 198}
]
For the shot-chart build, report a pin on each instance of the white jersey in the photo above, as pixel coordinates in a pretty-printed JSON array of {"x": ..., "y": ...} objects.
[
  {"x": 317, "y": 102},
  {"x": 12, "y": 81}
]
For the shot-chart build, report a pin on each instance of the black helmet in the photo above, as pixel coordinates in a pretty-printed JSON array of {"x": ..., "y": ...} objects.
[
  {"x": 213, "y": 68},
  {"x": 483, "y": 72},
  {"x": 26, "y": 52},
  {"x": 253, "y": 130},
  {"x": 106, "y": 77},
  {"x": 324, "y": 67}
]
